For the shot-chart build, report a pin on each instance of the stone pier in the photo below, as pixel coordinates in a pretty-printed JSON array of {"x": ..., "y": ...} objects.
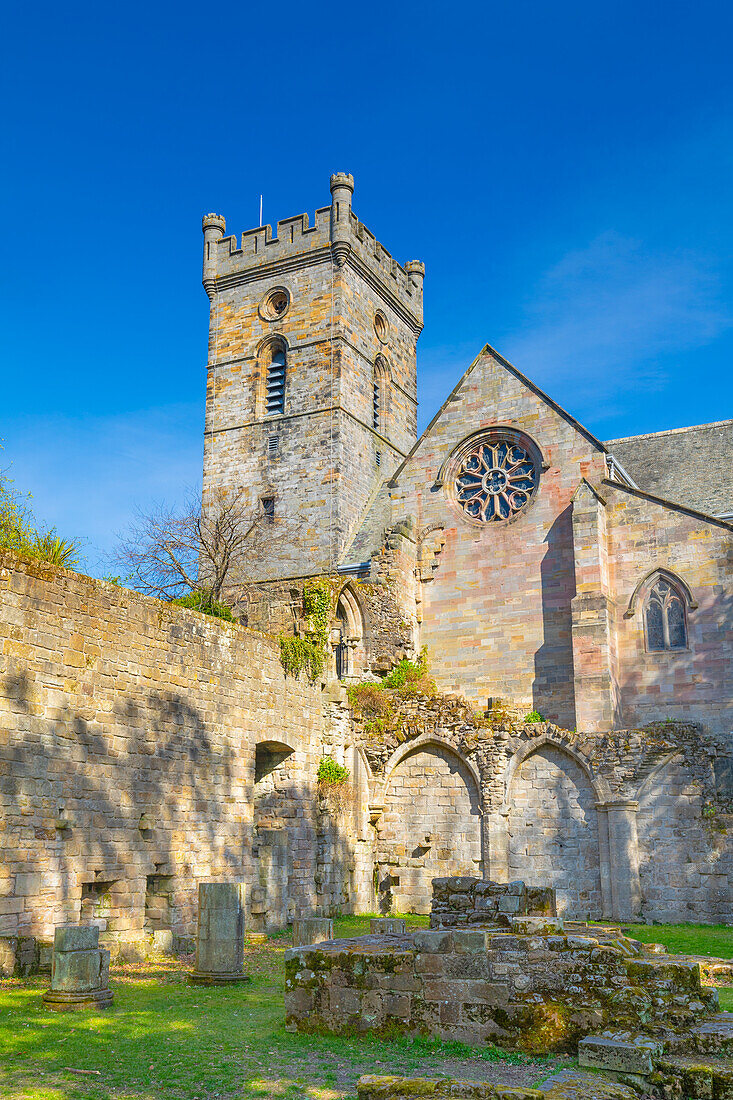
[
  {"x": 80, "y": 970},
  {"x": 220, "y": 934}
]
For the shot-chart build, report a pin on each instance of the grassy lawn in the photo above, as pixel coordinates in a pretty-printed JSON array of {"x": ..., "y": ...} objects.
[
  {"x": 165, "y": 1040},
  {"x": 687, "y": 939}
]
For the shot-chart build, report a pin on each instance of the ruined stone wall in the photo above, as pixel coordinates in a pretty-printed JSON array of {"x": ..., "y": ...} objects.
[
  {"x": 694, "y": 684},
  {"x": 431, "y": 827},
  {"x": 553, "y": 831},
  {"x": 128, "y": 747}
]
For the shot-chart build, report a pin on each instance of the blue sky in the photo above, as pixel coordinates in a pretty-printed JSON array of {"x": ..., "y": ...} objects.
[{"x": 564, "y": 170}]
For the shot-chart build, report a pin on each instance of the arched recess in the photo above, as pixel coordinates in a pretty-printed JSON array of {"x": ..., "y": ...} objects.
[
  {"x": 273, "y": 783},
  {"x": 348, "y": 638},
  {"x": 680, "y": 873},
  {"x": 552, "y": 827},
  {"x": 430, "y": 826},
  {"x": 380, "y": 394}
]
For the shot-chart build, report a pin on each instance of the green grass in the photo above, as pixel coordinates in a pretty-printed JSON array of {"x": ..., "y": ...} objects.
[
  {"x": 165, "y": 1040},
  {"x": 687, "y": 939}
]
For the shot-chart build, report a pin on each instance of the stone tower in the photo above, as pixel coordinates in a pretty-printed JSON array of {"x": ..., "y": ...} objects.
[{"x": 311, "y": 394}]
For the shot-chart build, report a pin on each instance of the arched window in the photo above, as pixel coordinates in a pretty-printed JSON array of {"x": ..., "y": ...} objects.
[
  {"x": 348, "y": 636},
  {"x": 380, "y": 394},
  {"x": 276, "y": 372},
  {"x": 665, "y": 619}
]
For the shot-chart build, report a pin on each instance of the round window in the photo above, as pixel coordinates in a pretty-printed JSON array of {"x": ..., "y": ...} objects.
[
  {"x": 275, "y": 304},
  {"x": 381, "y": 327},
  {"x": 495, "y": 479}
]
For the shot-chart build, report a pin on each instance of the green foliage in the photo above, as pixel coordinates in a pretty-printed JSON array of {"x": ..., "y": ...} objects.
[
  {"x": 202, "y": 600},
  {"x": 407, "y": 672},
  {"x": 369, "y": 700},
  {"x": 329, "y": 771},
  {"x": 533, "y": 716},
  {"x": 18, "y": 532},
  {"x": 309, "y": 653},
  {"x": 301, "y": 654}
]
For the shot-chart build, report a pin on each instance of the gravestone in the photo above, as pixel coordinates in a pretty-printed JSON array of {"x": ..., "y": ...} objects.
[
  {"x": 220, "y": 934},
  {"x": 79, "y": 971}
]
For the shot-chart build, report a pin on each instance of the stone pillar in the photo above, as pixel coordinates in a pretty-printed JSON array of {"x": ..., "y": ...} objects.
[
  {"x": 623, "y": 859},
  {"x": 388, "y": 926},
  {"x": 604, "y": 861},
  {"x": 496, "y": 845},
  {"x": 312, "y": 930},
  {"x": 220, "y": 934},
  {"x": 80, "y": 970}
]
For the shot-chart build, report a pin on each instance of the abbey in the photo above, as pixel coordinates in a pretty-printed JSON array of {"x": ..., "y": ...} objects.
[
  {"x": 566, "y": 603},
  {"x": 588, "y": 581}
]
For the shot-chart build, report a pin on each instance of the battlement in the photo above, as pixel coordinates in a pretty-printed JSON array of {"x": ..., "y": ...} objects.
[{"x": 336, "y": 233}]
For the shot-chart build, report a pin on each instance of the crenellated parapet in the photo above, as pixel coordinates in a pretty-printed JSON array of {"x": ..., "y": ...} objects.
[{"x": 336, "y": 234}]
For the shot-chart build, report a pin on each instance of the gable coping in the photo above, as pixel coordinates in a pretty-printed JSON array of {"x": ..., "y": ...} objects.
[
  {"x": 393, "y": 483},
  {"x": 725, "y": 524}
]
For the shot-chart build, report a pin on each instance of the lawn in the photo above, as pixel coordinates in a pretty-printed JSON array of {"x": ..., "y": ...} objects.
[{"x": 166, "y": 1040}]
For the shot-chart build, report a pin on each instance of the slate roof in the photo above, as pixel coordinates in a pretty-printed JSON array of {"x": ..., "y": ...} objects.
[{"x": 692, "y": 466}]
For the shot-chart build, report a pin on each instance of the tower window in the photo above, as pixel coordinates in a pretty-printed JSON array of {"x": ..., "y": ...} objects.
[
  {"x": 375, "y": 404},
  {"x": 664, "y": 618},
  {"x": 268, "y": 509},
  {"x": 380, "y": 393},
  {"x": 276, "y": 383}
]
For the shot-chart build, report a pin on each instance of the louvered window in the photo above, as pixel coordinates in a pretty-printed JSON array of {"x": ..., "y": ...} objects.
[
  {"x": 276, "y": 383},
  {"x": 376, "y": 410}
]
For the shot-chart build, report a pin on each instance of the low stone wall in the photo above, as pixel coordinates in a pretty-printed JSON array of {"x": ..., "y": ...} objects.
[
  {"x": 459, "y": 901},
  {"x": 533, "y": 988}
]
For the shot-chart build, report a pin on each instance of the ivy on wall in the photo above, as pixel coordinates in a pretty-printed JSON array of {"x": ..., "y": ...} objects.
[{"x": 308, "y": 653}]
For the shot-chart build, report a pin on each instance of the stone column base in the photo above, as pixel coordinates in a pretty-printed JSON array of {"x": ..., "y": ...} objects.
[
  {"x": 209, "y": 977},
  {"x": 69, "y": 1002}
]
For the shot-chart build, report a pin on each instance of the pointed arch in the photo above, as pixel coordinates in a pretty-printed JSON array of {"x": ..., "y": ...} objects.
[
  {"x": 648, "y": 581},
  {"x": 599, "y": 786},
  {"x": 272, "y": 360},
  {"x": 349, "y": 650}
]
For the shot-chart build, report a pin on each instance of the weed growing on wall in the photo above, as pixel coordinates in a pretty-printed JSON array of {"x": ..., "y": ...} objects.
[
  {"x": 533, "y": 716},
  {"x": 331, "y": 772},
  {"x": 333, "y": 783},
  {"x": 375, "y": 703}
]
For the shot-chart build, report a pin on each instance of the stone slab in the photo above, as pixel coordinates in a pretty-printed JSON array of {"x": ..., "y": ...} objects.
[
  {"x": 388, "y": 926},
  {"x": 75, "y": 937},
  {"x": 573, "y": 1084},
  {"x": 619, "y": 1055},
  {"x": 311, "y": 930}
]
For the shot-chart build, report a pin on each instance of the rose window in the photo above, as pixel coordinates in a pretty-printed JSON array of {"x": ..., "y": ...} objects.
[{"x": 495, "y": 480}]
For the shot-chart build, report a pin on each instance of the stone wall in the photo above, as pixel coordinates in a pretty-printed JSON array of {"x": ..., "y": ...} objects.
[
  {"x": 553, "y": 830},
  {"x": 462, "y": 901},
  {"x": 129, "y": 761},
  {"x": 533, "y": 987},
  {"x": 431, "y": 826}
]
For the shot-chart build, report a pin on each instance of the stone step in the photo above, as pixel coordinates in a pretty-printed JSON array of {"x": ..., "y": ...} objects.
[
  {"x": 619, "y": 1052},
  {"x": 576, "y": 1084},
  {"x": 715, "y": 1036},
  {"x": 696, "y": 1076}
]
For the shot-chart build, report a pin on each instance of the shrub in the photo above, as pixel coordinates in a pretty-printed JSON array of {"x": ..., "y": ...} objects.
[
  {"x": 533, "y": 716},
  {"x": 201, "y": 600},
  {"x": 330, "y": 772},
  {"x": 369, "y": 700},
  {"x": 19, "y": 533},
  {"x": 301, "y": 654}
]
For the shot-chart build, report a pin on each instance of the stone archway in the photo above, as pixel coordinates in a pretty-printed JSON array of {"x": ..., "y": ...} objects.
[
  {"x": 430, "y": 827},
  {"x": 553, "y": 830}
]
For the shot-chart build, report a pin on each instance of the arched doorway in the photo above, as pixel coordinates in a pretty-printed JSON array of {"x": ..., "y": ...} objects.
[
  {"x": 553, "y": 830},
  {"x": 430, "y": 827}
]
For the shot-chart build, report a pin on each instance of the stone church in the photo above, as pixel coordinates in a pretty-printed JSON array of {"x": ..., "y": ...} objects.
[{"x": 572, "y": 598}]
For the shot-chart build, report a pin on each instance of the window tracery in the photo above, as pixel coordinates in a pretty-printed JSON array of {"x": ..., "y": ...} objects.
[
  {"x": 665, "y": 617},
  {"x": 495, "y": 480}
]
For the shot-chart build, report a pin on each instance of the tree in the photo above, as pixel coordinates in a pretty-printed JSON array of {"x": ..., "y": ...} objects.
[{"x": 206, "y": 557}]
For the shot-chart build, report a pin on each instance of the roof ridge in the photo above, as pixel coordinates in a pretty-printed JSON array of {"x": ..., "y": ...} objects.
[{"x": 669, "y": 431}]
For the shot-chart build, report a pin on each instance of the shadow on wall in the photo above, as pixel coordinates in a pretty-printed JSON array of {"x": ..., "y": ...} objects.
[
  {"x": 553, "y": 831},
  {"x": 430, "y": 827},
  {"x": 553, "y": 692}
]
